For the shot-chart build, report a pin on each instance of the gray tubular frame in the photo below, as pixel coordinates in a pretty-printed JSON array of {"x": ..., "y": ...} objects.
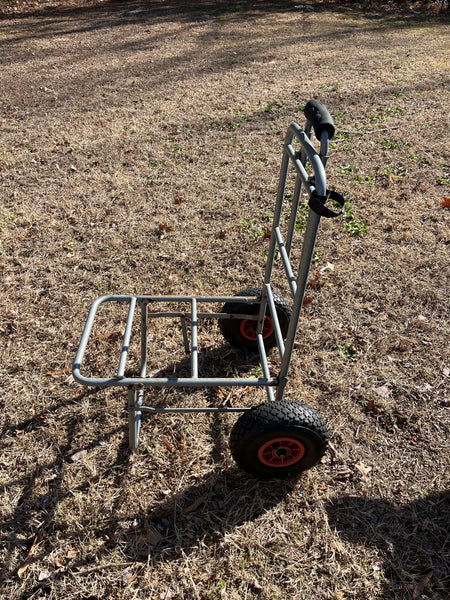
[{"x": 297, "y": 284}]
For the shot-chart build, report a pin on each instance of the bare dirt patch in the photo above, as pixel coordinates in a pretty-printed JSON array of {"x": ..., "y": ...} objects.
[{"x": 139, "y": 153}]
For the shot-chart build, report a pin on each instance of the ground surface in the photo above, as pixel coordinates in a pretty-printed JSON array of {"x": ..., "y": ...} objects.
[{"x": 139, "y": 153}]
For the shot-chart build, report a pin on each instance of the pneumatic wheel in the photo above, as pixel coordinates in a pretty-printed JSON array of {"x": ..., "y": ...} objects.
[
  {"x": 278, "y": 439},
  {"x": 241, "y": 333}
]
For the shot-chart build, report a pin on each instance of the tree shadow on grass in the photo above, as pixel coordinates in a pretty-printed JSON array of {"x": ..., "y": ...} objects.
[
  {"x": 171, "y": 8},
  {"x": 414, "y": 539},
  {"x": 217, "y": 501},
  {"x": 24, "y": 532}
]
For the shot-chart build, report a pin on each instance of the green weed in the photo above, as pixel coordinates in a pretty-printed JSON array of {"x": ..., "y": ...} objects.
[
  {"x": 7, "y": 219},
  {"x": 353, "y": 226},
  {"x": 302, "y": 217},
  {"x": 365, "y": 179},
  {"x": 317, "y": 256},
  {"x": 348, "y": 351},
  {"x": 252, "y": 229},
  {"x": 396, "y": 171},
  {"x": 344, "y": 169},
  {"x": 388, "y": 144}
]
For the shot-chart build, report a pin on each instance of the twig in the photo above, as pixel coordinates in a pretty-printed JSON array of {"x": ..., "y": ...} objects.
[{"x": 87, "y": 570}]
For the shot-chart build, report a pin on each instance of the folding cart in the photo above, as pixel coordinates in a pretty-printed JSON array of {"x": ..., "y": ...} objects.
[{"x": 278, "y": 437}]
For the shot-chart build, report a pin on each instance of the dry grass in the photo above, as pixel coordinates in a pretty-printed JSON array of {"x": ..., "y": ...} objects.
[{"x": 135, "y": 148}]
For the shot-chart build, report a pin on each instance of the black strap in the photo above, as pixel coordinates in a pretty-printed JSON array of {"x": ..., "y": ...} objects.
[{"x": 317, "y": 203}]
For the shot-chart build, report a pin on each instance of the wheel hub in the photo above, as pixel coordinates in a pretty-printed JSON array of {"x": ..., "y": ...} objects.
[
  {"x": 281, "y": 452},
  {"x": 248, "y": 329}
]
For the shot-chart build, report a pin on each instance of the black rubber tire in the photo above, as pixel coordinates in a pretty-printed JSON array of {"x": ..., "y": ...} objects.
[
  {"x": 231, "y": 328},
  {"x": 259, "y": 430}
]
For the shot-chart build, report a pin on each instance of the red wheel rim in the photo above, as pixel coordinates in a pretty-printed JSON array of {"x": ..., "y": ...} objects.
[
  {"x": 248, "y": 329},
  {"x": 281, "y": 452}
]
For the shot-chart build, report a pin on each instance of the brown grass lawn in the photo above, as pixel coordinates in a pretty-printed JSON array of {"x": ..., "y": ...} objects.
[{"x": 139, "y": 153}]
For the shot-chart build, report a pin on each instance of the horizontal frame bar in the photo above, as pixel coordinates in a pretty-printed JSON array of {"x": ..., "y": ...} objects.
[
  {"x": 172, "y": 381},
  {"x": 207, "y": 409}
]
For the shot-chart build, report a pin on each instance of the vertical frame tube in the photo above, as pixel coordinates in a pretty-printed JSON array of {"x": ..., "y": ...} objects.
[
  {"x": 194, "y": 349},
  {"x": 126, "y": 339},
  {"x": 144, "y": 333}
]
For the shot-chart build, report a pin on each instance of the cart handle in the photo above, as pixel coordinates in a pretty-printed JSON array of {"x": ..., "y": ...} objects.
[{"x": 317, "y": 114}]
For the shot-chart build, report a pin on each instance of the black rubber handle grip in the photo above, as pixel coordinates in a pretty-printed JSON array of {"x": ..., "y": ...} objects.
[{"x": 317, "y": 114}]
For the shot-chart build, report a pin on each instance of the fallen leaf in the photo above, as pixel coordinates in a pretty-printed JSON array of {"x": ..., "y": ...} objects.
[
  {"x": 71, "y": 553},
  {"x": 383, "y": 391},
  {"x": 372, "y": 407},
  {"x": 307, "y": 300},
  {"x": 194, "y": 505},
  {"x": 22, "y": 569},
  {"x": 104, "y": 336},
  {"x": 170, "y": 447},
  {"x": 59, "y": 372},
  {"x": 364, "y": 471},
  {"x": 420, "y": 587},
  {"x": 141, "y": 541},
  {"x": 34, "y": 546},
  {"x": 153, "y": 536},
  {"x": 327, "y": 267},
  {"x": 44, "y": 574},
  {"x": 446, "y": 201},
  {"x": 165, "y": 227},
  {"x": 317, "y": 281},
  {"x": 58, "y": 562},
  {"x": 78, "y": 455},
  {"x": 128, "y": 577}
]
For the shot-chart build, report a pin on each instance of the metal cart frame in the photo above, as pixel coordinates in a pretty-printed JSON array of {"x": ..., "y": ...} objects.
[{"x": 314, "y": 183}]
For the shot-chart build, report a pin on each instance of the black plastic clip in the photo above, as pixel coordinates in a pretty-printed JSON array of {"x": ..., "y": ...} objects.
[{"x": 317, "y": 203}]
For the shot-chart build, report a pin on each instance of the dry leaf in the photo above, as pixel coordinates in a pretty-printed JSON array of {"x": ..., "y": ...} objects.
[
  {"x": 71, "y": 553},
  {"x": 383, "y": 391},
  {"x": 44, "y": 574},
  {"x": 307, "y": 300},
  {"x": 170, "y": 447},
  {"x": 317, "y": 281},
  {"x": 446, "y": 201},
  {"x": 22, "y": 569},
  {"x": 420, "y": 587},
  {"x": 141, "y": 541},
  {"x": 128, "y": 577},
  {"x": 58, "y": 562},
  {"x": 112, "y": 334},
  {"x": 35, "y": 545},
  {"x": 364, "y": 471},
  {"x": 59, "y": 372},
  {"x": 327, "y": 267},
  {"x": 194, "y": 505},
  {"x": 78, "y": 455},
  {"x": 153, "y": 536},
  {"x": 165, "y": 227},
  {"x": 372, "y": 407}
]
